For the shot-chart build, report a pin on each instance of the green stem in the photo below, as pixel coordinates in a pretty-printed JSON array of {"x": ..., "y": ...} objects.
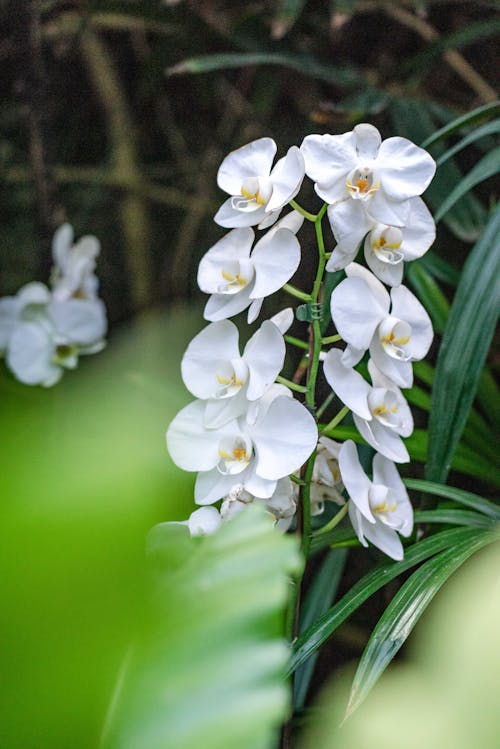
[
  {"x": 297, "y": 293},
  {"x": 333, "y": 522},
  {"x": 321, "y": 410},
  {"x": 296, "y": 342},
  {"x": 336, "y": 420},
  {"x": 302, "y": 211},
  {"x": 292, "y": 385},
  {"x": 331, "y": 339}
]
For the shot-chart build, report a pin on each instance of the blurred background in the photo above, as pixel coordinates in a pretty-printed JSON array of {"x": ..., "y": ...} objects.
[{"x": 115, "y": 116}]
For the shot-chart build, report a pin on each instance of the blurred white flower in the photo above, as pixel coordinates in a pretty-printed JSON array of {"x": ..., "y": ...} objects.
[
  {"x": 238, "y": 277},
  {"x": 378, "y": 509},
  {"x": 397, "y": 330},
  {"x": 12, "y": 308},
  {"x": 74, "y": 264},
  {"x": 258, "y": 191}
]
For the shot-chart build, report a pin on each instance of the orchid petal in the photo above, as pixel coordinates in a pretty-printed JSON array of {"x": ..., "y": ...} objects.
[
  {"x": 79, "y": 321},
  {"x": 201, "y": 363},
  {"x": 347, "y": 384},
  {"x": 350, "y": 222},
  {"x": 385, "y": 539},
  {"x": 419, "y": 232},
  {"x": 230, "y": 217},
  {"x": 251, "y": 160},
  {"x": 329, "y": 158},
  {"x": 222, "y": 306},
  {"x": 368, "y": 141},
  {"x": 406, "y": 306},
  {"x": 264, "y": 355},
  {"x": 356, "y": 311},
  {"x": 355, "y": 479},
  {"x": 407, "y": 169},
  {"x": 254, "y": 310},
  {"x": 275, "y": 261},
  {"x": 400, "y": 372},
  {"x": 204, "y": 521},
  {"x": 29, "y": 355},
  {"x": 286, "y": 178},
  {"x": 234, "y": 246},
  {"x": 383, "y": 439}
]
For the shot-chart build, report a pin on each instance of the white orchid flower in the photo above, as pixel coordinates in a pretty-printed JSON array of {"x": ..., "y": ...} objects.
[
  {"x": 204, "y": 521},
  {"x": 326, "y": 481},
  {"x": 396, "y": 329},
  {"x": 258, "y": 191},
  {"x": 386, "y": 247},
  {"x": 381, "y": 413},
  {"x": 281, "y": 504},
  {"x": 374, "y": 178},
  {"x": 213, "y": 369},
  {"x": 50, "y": 338},
  {"x": 13, "y": 307},
  {"x": 378, "y": 509},
  {"x": 74, "y": 265},
  {"x": 237, "y": 277},
  {"x": 273, "y": 439}
]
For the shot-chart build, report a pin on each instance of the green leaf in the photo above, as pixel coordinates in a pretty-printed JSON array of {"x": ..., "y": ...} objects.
[
  {"x": 319, "y": 598},
  {"x": 440, "y": 269},
  {"x": 457, "y": 495},
  {"x": 463, "y": 350},
  {"x": 485, "y": 112},
  {"x": 312, "y": 639},
  {"x": 304, "y": 64},
  {"x": 404, "y": 611},
  {"x": 286, "y": 15},
  {"x": 430, "y": 295},
  {"x": 487, "y": 167},
  {"x": 452, "y": 517},
  {"x": 209, "y": 671},
  {"x": 489, "y": 128}
]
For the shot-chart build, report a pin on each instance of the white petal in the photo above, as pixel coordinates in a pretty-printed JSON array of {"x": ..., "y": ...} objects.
[
  {"x": 284, "y": 438},
  {"x": 230, "y": 217},
  {"x": 275, "y": 261},
  {"x": 419, "y": 232},
  {"x": 385, "y": 472},
  {"x": 234, "y": 246},
  {"x": 406, "y": 306},
  {"x": 329, "y": 158},
  {"x": 384, "y": 539},
  {"x": 355, "y": 479},
  {"x": 264, "y": 355},
  {"x": 202, "y": 360},
  {"x": 210, "y": 486},
  {"x": 219, "y": 412},
  {"x": 350, "y": 222},
  {"x": 252, "y": 160},
  {"x": 79, "y": 321},
  {"x": 356, "y": 311},
  {"x": 254, "y": 310},
  {"x": 340, "y": 259},
  {"x": 292, "y": 221},
  {"x": 354, "y": 270},
  {"x": 347, "y": 384},
  {"x": 389, "y": 273},
  {"x": 33, "y": 293},
  {"x": 352, "y": 356},
  {"x": 204, "y": 522},
  {"x": 407, "y": 169},
  {"x": 191, "y": 446},
  {"x": 368, "y": 141},
  {"x": 383, "y": 439},
  {"x": 29, "y": 355},
  {"x": 283, "y": 319},
  {"x": 62, "y": 242},
  {"x": 287, "y": 178},
  {"x": 222, "y": 306},
  {"x": 399, "y": 372},
  {"x": 358, "y": 522},
  {"x": 383, "y": 209}
]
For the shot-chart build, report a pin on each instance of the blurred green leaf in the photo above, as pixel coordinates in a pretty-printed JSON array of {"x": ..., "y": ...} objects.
[
  {"x": 452, "y": 517},
  {"x": 489, "y": 128},
  {"x": 487, "y": 167},
  {"x": 304, "y": 64},
  {"x": 286, "y": 15},
  {"x": 463, "y": 350},
  {"x": 430, "y": 295},
  {"x": 312, "y": 639},
  {"x": 485, "y": 112},
  {"x": 319, "y": 598},
  {"x": 457, "y": 495},
  {"x": 210, "y": 671},
  {"x": 404, "y": 611},
  {"x": 440, "y": 269}
]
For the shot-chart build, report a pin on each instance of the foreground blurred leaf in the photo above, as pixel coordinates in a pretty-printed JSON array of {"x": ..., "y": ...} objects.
[
  {"x": 210, "y": 673},
  {"x": 321, "y": 630},
  {"x": 463, "y": 350},
  {"x": 404, "y": 611}
]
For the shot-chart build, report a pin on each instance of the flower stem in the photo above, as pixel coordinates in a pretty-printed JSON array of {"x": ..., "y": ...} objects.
[
  {"x": 333, "y": 522},
  {"x": 321, "y": 410},
  {"x": 297, "y": 293},
  {"x": 292, "y": 385},
  {"x": 296, "y": 342},
  {"x": 302, "y": 211},
  {"x": 332, "y": 339},
  {"x": 336, "y": 420}
]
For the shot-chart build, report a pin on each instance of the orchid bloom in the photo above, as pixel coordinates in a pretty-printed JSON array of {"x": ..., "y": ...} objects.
[
  {"x": 258, "y": 190},
  {"x": 381, "y": 413},
  {"x": 386, "y": 248},
  {"x": 31, "y": 295},
  {"x": 237, "y": 277},
  {"x": 74, "y": 264},
  {"x": 378, "y": 509},
  {"x": 50, "y": 338},
  {"x": 270, "y": 441},
  {"x": 204, "y": 521},
  {"x": 281, "y": 504},
  {"x": 372, "y": 178},
  {"x": 213, "y": 369},
  {"x": 326, "y": 482},
  {"x": 396, "y": 329}
]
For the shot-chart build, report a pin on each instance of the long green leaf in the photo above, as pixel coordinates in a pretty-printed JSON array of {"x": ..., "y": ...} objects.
[
  {"x": 487, "y": 167},
  {"x": 404, "y": 611},
  {"x": 440, "y": 268},
  {"x": 312, "y": 639},
  {"x": 304, "y": 64},
  {"x": 430, "y": 295},
  {"x": 209, "y": 671},
  {"x": 318, "y": 600},
  {"x": 453, "y": 517},
  {"x": 457, "y": 495},
  {"x": 485, "y": 112},
  {"x": 489, "y": 128},
  {"x": 463, "y": 350}
]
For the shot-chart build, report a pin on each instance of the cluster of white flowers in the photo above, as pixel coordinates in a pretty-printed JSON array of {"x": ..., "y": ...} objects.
[
  {"x": 245, "y": 434},
  {"x": 44, "y": 330}
]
